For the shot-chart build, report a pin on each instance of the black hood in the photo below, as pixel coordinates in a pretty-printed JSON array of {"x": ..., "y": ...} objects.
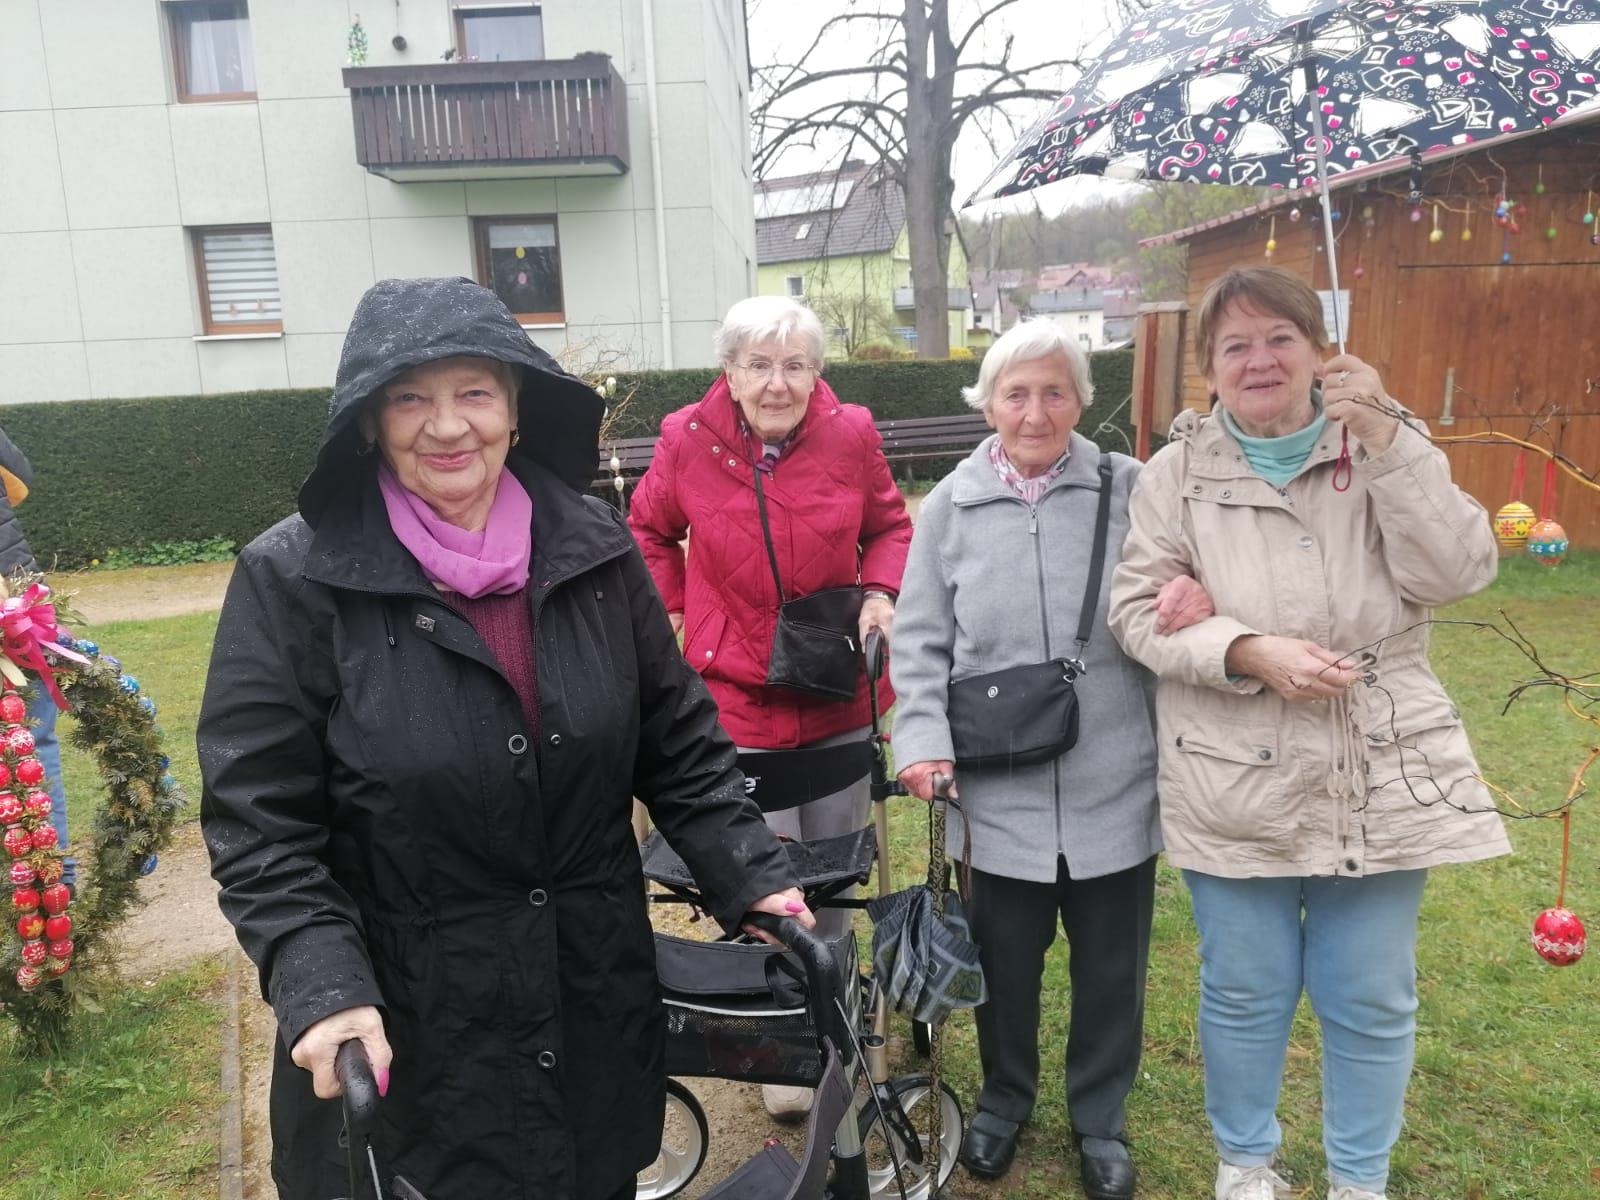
[{"x": 402, "y": 323}]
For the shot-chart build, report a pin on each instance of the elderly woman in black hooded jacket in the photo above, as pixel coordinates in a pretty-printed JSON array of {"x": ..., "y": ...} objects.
[{"x": 434, "y": 692}]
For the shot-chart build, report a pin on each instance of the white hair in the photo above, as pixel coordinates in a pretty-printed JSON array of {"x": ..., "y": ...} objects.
[
  {"x": 1037, "y": 337},
  {"x": 760, "y": 318}
]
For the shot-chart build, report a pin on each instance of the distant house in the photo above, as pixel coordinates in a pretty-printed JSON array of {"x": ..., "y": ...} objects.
[
  {"x": 994, "y": 310},
  {"x": 837, "y": 240},
  {"x": 194, "y": 195},
  {"x": 1097, "y": 305}
]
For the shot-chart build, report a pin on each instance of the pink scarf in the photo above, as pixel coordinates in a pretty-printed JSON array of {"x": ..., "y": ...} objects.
[{"x": 493, "y": 560}]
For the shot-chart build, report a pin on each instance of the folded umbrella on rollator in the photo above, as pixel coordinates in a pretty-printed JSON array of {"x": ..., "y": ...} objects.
[{"x": 923, "y": 955}]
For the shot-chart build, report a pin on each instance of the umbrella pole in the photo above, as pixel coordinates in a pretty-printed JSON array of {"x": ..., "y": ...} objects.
[{"x": 1327, "y": 202}]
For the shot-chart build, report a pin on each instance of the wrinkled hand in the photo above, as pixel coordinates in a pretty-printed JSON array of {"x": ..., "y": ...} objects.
[
  {"x": 920, "y": 777},
  {"x": 317, "y": 1046},
  {"x": 1299, "y": 671},
  {"x": 1182, "y": 601},
  {"x": 876, "y": 613},
  {"x": 676, "y": 620},
  {"x": 791, "y": 902},
  {"x": 1353, "y": 393}
]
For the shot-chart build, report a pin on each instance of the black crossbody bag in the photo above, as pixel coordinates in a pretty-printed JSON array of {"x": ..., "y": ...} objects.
[
  {"x": 814, "y": 644},
  {"x": 1026, "y": 715}
]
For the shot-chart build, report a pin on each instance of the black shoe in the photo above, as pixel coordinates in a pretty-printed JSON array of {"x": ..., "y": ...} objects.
[
  {"x": 1106, "y": 1168},
  {"x": 989, "y": 1145}
]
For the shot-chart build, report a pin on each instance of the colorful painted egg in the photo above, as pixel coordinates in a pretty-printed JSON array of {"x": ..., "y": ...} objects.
[
  {"x": 1547, "y": 542},
  {"x": 1559, "y": 936},
  {"x": 1511, "y": 524}
]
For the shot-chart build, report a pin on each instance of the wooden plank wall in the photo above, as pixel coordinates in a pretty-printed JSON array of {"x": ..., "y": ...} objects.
[{"x": 1521, "y": 340}]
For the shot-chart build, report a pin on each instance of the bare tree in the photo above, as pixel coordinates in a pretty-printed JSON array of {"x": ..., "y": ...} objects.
[
  {"x": 906, "y": 100},
  {"x": 852, "y": 318}
]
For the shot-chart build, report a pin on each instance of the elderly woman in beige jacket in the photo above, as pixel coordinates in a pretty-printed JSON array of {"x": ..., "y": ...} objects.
[{"x": 1311, "y": 766}]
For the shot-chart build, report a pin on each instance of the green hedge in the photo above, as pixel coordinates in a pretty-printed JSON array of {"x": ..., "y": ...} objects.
[{"x": 125, "y": 474}]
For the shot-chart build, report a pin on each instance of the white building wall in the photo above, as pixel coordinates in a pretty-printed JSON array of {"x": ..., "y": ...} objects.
[{"x": 103, "y": 174}]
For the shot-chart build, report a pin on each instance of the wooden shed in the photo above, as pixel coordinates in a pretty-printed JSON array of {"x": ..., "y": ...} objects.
[{"x": 1477, "y": 329}]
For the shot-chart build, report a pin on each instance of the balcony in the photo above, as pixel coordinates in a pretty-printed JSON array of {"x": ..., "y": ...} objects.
[
  {"x": 955, "y": 299},
  {"x": 491, "y": 120}
]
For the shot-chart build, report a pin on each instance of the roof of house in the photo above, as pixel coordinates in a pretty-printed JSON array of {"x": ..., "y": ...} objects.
[
  {"x": 828, "y": 214},
  {"x": 1072, "y": 299}
]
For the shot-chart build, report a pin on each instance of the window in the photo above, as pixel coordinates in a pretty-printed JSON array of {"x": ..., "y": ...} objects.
[
  {"x": 1083, "y": 319},
  {"x": 238, "y": 275},
  {"x": 803, "y": 232},
  {"x": 499, "y": 33},
  {"x": 520, "y": 258},
  {"x": 212, "y": 56},
  {"x": 794, "y": 286}
]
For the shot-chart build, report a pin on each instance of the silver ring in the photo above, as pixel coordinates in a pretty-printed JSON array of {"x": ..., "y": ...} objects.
[{"x": 1343, "y": 375}]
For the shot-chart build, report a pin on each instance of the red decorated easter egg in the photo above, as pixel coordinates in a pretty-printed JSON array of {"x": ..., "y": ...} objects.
[{"x": 1559, "y": 936}]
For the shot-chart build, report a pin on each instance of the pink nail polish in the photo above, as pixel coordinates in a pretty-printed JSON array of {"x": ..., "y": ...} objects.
[
  {"x": 795, "y": 906},
  {"x": 382, "y": 1074}
]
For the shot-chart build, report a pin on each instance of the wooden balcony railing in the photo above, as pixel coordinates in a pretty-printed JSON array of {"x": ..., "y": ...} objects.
[{"x": 499, "y": 120}]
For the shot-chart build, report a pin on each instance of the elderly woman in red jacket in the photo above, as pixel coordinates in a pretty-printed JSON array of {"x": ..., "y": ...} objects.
[{"x": 836, "y": 518}]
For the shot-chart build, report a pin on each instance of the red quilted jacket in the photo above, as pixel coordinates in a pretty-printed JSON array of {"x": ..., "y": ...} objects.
[{"x": 836, "y": 516}]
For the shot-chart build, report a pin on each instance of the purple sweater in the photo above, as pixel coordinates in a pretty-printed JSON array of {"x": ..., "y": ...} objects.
[{"x": 505, "y": 623}]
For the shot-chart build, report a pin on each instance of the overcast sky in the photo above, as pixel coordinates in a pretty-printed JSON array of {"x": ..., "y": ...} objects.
[{"x": 1041, "y": 30}]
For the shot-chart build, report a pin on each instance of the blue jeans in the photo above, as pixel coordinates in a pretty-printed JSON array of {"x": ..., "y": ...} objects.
[
  {"x": 1350, "y": 944},
  {"x": 42, "y": 712}
]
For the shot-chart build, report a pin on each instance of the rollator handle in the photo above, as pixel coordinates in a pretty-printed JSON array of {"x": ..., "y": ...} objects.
[
  {"x": 354, "y": 1071},
  {"x": 822, "y": 976},
  {"x": 876, "y": 651}
]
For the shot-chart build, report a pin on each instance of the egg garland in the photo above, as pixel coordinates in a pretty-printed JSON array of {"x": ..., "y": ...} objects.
[{"x": 53, "y": 938}]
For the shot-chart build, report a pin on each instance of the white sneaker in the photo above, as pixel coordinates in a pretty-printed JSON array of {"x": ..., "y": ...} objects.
[
  {"x": 1251, "y": 1183},
  {"x": 1352, "y": 1193},
  {"x": 786, "y": 1103}
]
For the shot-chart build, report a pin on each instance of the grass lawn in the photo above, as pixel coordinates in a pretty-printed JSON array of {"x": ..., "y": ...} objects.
[
  {"x": 1507, "y": 1087},
  {"x": 131, "y": 1112}
]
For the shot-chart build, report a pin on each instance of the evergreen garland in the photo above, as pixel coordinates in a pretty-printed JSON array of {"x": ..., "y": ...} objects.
[{"x": 115, "y": 723}]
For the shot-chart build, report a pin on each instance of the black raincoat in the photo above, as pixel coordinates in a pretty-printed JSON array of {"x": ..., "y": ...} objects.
[{"x": 387, "y": 830}]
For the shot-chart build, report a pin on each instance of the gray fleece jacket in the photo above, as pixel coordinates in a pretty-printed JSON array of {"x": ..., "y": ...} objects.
[{"x": 988, "y": 578}]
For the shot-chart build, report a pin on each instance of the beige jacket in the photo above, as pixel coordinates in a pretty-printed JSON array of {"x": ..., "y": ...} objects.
[{"x": 1382, "y": 779}]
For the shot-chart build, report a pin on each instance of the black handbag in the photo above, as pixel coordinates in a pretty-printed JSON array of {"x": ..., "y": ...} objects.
[
  {"x": 1026, "y": 715},
  {"x": 814, "y": 646}
]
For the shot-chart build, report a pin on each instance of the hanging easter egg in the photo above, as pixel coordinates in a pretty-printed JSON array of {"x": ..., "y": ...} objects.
[
  {"x": 28, "y": 978},
  {"x": 1436, "y": 236},
  {"x": 1559, "y": 936},
  {"x": 1505, "y": 258},
  {"x": 18, "y": 841},
  {"x": 521, "y": 253},
  {"x": 14, "y": 709},
  {"x": 1550, "y": 233},
  {"x": 1588, "y": 218},
  {"x": 1466, "y": 234},
  {"x": 1272, "y": 245},
  {"x": 11, "y": 809},
  {"x": 1360, "y": 272},
  {"x": 1294, "y": 214},
  {"x": 1511, "y": 525},
  {"x": 1547, "y": 542}
]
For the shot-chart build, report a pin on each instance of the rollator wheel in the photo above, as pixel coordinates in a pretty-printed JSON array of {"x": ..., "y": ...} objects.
[
  {"x": 684, "y": 1140},
  {"x": 922, "y": 1037},
  {"x": 915, "y": 1099}
]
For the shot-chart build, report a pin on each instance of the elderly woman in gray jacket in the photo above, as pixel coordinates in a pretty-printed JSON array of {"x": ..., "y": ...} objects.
[{"x": 996, "y": 578}]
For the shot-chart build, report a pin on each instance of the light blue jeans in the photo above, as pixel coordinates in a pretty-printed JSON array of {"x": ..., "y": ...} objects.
[
  {"x": 1350, "y": 945},
  {"x": 42, "y": 712}
]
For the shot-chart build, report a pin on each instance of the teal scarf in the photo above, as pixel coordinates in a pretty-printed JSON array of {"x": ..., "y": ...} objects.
[{"x": 1278, "y": 459}]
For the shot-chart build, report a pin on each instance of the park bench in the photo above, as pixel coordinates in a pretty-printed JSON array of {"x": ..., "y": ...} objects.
[{"x": 908, "y": 440}]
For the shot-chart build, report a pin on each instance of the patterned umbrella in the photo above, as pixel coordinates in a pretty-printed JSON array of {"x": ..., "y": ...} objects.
[{"x": 1217, "y": 92}]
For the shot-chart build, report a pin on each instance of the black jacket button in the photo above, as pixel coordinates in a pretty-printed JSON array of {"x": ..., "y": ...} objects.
[
  {"x": 517, "y": 744},
  {"x": 538, "y": 897},
  {"x": 547, "y": 1059},
  {"x": 555, "y": 739}
]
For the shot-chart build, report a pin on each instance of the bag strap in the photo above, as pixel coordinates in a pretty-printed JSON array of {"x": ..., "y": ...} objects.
[
  {"x": 766, "y": 535},
  {"x": 1097, "y": 559}
]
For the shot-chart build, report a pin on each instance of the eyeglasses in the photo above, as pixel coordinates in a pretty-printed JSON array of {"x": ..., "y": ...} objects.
[
  {"x": 793, "y": 372},
  {"x": 1017, "y": 401}
]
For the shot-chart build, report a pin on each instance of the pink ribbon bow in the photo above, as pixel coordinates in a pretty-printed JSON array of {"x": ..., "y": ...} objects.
[{"x": 28, "y": 626}]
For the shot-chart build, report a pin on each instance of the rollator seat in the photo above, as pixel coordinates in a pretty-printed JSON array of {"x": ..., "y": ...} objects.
[
  {"x": 825, "y": 865},
  {"x": 732, "y": 1014}
]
